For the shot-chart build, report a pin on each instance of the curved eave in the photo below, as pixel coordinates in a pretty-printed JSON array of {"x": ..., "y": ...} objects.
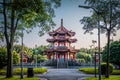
[
  {"x": 72, "y": 40},
  {"x": 61, "y": 50},
  {"x": 74, "y": 50},
  {"x": 49, "y": 50},
  {"x": 51, "y": 40},
  {"x": 71, "y": 33}
]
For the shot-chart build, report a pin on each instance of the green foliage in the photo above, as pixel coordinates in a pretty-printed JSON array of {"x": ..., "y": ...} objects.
[
  {"x": 42, "y": 58},
  {"x": 103, "y": 78},
  {"x": 40, "y": 70},
  {"x": 88, "y": 70},
  {"x": 114, "y": 53},
  {"x": 83, "y": 55},
  {"x": 39, "y": 53},
  {"x": 18, "y": 78},
  {"x": 92, "y": 71},
  {"x": 81, "y": 60},
  {"x": 103, "y": 68},
  {"x": 116, "y": 72},
  {"x": 27, "y": 51},
  {"x": 16, "y": 58},
  {"x": 17, "y": 71},
  {"x": 22, "y": 15},
  {"x": 3, "y": 57}
]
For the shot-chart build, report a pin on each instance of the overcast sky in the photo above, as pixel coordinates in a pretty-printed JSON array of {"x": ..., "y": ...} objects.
[{"x": 71, "y": 15}]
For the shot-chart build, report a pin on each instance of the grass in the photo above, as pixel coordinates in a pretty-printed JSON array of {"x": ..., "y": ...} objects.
[
  {"x": 18, "y": 78},
  {"x": 103, "y": 78},
  {"x": 92, "y": 71},
  {"x": 17, "y": 71}
]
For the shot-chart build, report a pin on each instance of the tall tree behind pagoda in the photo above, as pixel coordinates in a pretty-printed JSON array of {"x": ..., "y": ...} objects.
[
  {"x": 21, "y": 14},
  {"x": 109, "y": 17}
]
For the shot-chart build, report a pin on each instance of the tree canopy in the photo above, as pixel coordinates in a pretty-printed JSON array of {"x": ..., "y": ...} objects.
[
  {"x": 17, "y": 15},
  {"x": 114, "y": 53},
  {"x": 106, "y": 17}
]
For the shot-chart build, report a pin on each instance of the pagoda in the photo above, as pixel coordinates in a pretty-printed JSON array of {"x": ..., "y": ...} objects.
[{"x": 61, "y": 50}]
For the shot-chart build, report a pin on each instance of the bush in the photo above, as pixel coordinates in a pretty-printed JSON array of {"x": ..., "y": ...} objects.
[
  {"x": 103, "y": 68},
  {"x": 3, "y": 57},
  {"x": 88, "y": 70},
  {"x": 17, "y": 71},
  {"x": 40, "y": 70}
]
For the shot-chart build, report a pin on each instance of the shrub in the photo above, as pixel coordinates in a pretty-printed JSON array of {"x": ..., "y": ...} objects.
[
  {"x": 40, "y": 70},
  {"x": 17, "y": 71},
  {"x": 103, "y": 68}
]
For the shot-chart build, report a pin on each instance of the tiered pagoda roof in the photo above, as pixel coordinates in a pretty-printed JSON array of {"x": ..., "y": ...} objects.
[
  {"x": 61, "y": 49},
  {"x": 59, "y": 38},
  {"x": 61, "y": 30}
]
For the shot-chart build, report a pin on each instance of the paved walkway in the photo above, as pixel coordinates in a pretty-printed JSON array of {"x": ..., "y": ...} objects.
[{"x": 63, "y": 74}]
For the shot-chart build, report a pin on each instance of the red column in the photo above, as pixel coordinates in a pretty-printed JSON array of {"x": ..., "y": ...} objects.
[
  {"x": 58, "y": 43},
  {"x": 74, "y": 56},
  {"x": 58, "y": 56},
  {"x": 64, "y": 43},
  {"x": 49, "y": 56},
  {"x": 69, "y": 55}
]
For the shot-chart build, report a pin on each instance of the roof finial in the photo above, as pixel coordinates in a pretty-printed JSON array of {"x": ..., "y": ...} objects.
[{"x": 61, "y": 22}]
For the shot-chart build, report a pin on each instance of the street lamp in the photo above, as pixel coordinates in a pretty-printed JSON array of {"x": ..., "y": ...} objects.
[
  {"x": 98, "y": 23},
  {"x": 36, "y": 52},
  {"x": 21, "y": 76}
]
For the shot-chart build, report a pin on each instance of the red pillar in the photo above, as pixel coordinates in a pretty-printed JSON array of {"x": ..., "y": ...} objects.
[
  {"x": 64, "y": 43},
  {"x": 64, "y": 56},
  {"x": 74, "y": 56},
  {"x": 58, "y": 57},
  {"x": 58, "y": 43},
  {"x": 69, "y": 55},
  {"x": 48, "y": 56}
]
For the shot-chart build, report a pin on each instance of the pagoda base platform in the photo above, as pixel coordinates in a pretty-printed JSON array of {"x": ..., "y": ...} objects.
[{"x": 57, "y": 64}]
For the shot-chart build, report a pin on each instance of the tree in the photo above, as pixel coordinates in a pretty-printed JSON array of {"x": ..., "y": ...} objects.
[
  {"x": 114, "y": 53},
  {"x": 83, "y": 55},
  {"x": 107, "y": 12},
  {"x": 18, "y": 15}
]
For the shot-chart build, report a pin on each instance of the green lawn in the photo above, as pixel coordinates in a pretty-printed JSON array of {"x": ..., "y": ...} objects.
[
  {"x": 18, "y": 70},
  {"x": 92, "y": 71},
  {"x": 18, "y": 78},
  {"x": 103, "y": 78}
]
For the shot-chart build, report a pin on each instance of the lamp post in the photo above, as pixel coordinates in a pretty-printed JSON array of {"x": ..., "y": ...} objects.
[
  {"x": 21, "y": 76},
  {"x": 36, "y": 52}
]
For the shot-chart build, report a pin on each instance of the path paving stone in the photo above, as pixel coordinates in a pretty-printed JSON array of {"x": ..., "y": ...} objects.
[{"x": 63, "y": 74}]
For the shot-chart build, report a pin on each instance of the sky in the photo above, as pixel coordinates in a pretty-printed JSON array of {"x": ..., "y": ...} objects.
[{"x": 71, "y": 15}]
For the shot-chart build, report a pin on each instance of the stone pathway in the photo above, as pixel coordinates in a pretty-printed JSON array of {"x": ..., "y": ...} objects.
[{"x": 63, "y": 74}]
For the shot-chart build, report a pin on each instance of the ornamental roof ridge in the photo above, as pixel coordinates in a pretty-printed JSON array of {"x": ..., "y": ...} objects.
[{"x": 61, "y": 28}]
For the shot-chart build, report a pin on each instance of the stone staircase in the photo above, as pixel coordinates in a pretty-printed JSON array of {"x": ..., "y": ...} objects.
[{"x": 62, "y": 65}]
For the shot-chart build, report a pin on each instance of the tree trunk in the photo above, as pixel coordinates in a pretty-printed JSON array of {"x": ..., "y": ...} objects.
[
  {"x": 108, "y": 54},
  {"x": 9, "y": 62}
]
